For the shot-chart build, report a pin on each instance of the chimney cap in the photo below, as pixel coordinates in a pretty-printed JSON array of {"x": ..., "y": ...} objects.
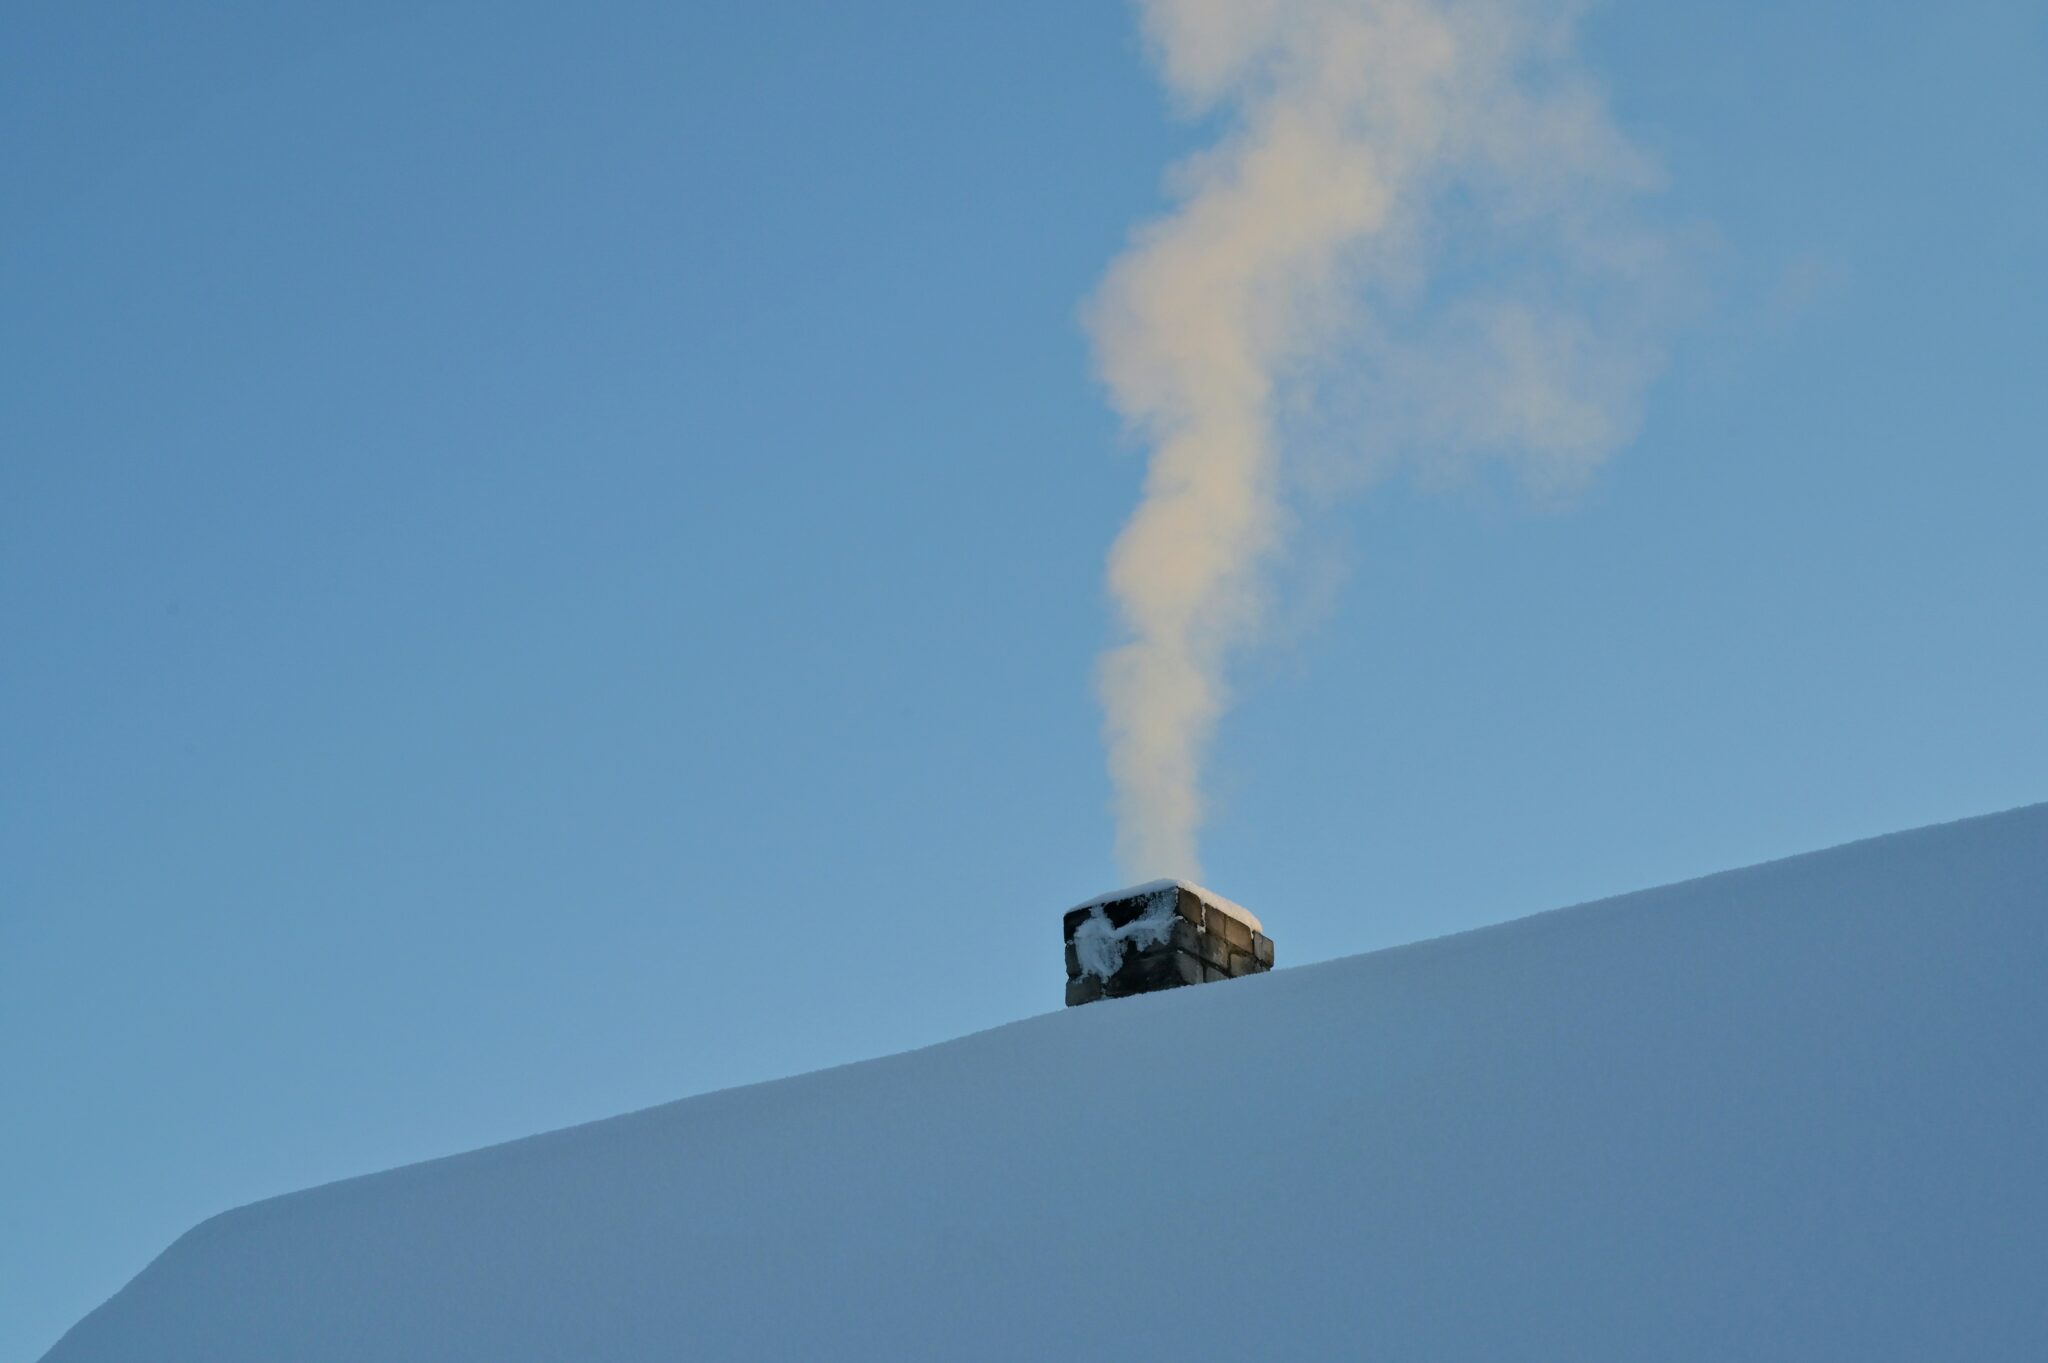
[{"x": 1152, "y": 887}]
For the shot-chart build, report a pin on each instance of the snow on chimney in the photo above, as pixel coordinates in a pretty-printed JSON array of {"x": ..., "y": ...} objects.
[{"x": 1159, "y": 936}]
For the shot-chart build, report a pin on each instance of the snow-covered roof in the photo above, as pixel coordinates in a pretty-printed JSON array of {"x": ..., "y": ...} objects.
[
  {"x": 1846, "y": 1165},
  {"x": 1150, "y": 887}
]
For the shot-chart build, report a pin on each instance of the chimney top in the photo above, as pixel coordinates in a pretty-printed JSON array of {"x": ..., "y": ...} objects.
[{"x": 1152, "y": 887}]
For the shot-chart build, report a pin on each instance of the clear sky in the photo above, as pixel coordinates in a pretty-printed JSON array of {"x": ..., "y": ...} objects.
[{"x": 551, "y": 557}]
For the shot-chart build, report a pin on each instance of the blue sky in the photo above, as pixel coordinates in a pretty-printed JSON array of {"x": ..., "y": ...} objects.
[{"x": 551, "y": 559}]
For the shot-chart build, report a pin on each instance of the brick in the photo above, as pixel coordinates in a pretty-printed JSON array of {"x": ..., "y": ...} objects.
[
  {"x": 1160, "y": 968},
  {"x": 1235, "y": 931},
  {"x": 1073, "y": 963},
  {"x": 1215, "y": 950},
  {"x": 1211, "y": 974},
  {"x": 1241, "y": 963},
  {"x": 1262, "y": 950},
  {"x": 1085, "y": 990}
]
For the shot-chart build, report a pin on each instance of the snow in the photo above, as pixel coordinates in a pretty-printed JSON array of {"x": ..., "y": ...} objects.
[
  {"x": 1100, "y": 947},
  {"x": 1792, "y": 1112},
  {"x": 1153, "y": 887}
]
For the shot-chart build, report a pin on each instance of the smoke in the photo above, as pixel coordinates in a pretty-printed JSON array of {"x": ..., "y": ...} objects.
[{"x": 1412, "y": 245}]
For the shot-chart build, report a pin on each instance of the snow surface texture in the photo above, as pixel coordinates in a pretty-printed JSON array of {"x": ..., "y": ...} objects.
[{"x": 1794, "y": 1112}]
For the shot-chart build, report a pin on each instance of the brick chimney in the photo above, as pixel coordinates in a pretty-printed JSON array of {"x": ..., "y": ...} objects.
[{"x": 1159, "y": 936}]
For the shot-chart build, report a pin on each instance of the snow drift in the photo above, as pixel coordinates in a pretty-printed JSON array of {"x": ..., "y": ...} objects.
[{"x": 1790, "y": 1112}]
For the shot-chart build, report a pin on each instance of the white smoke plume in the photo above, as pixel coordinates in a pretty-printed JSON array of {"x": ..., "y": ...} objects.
[{"x": 1413, "y": 243}]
